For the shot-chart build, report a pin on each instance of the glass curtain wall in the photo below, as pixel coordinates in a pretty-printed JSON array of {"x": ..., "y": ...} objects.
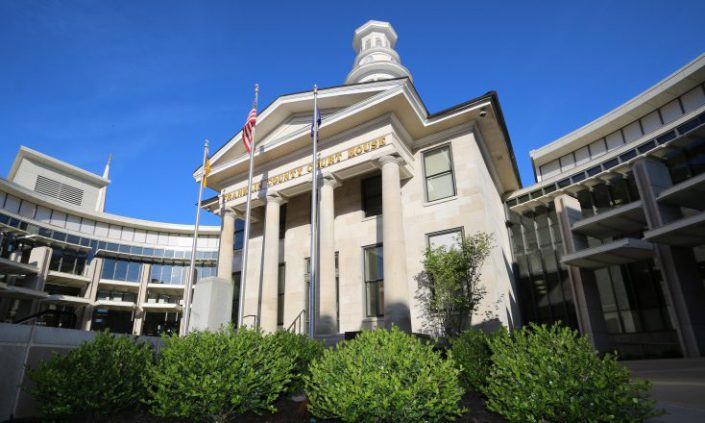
[{"x": 544, "y": 288}]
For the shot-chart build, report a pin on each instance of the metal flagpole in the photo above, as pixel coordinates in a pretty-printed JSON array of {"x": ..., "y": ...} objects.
[
  {"x": 313, "y": 261},
  {"x": 192, "y": 267},
  {"x": 243, "y": 273}
]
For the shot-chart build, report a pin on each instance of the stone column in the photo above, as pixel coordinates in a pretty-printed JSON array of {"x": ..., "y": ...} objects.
[
  {"x": 583, "y": 284},
  {"x": 138, "y": 322},
  {"x": 40, "y": 257},
  {"x": 225, "y": 251},
  {"x": 328, "y": 318},
  {"x": 94, "y": 270},
  {"x": 396, "y": 285},
  {"x": 681, "y": 284},
  {"x": 270, "y": 265}
]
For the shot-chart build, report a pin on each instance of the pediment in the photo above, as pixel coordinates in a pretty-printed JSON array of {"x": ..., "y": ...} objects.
[
  {"x": 292, "y": 113},
  {"x": 283, "y": 128}
]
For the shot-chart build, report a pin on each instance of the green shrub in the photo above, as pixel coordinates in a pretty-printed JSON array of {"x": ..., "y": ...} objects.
[
  {"x": 552, "y": 374},
  {"x": 209, "y": 376},
  {"x": 384, "y": 376},
  {"x": 99, "y": 378},
  {"x": 471, "y": 351},
  {"x": 304, "y": 350}
]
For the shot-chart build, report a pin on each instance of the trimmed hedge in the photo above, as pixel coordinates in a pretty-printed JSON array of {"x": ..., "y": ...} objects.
[
  {"x": 471, "y": 351},
  {"x": 384, "y": 375},
  {"x": 304, "y": 351},
  {"x": 552, "y": 374},
  {"x": 99, "y": 378},
  {"x": 208, "y": 376}
]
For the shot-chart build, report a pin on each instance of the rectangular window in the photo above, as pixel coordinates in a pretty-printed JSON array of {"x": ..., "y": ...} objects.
[
  {"x": 239, "y": 233},
  {"x": 374, "y": 280},
  {"x": 372, "y": 196},
  {"x": 133, "y": 272},
  {"x": 108, "y": 269},
  {"x": 155, "y": 273},
  {"x": 236, "y": 277},
  {"x": 550, "y": 169},
  {"x": 121, "y": 270},
  {"x": 448, "y": 239},
  {"x": 280, "y": 294},
  {"x": 282, "y": 221},
  {"x": 438, "y": 170}
]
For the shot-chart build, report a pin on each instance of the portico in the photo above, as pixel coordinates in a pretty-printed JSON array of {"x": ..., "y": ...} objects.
[{"x": 263, "y": 275}]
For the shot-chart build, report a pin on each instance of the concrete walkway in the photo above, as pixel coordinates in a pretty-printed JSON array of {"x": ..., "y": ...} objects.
[{"x": 678, "y": 386}]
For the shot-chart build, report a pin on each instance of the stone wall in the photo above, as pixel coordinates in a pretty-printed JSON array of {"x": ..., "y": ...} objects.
[{"x": 25, "y": 344}]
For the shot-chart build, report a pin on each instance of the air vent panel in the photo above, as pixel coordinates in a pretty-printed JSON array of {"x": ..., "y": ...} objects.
[{"x": 59, "y": 190}]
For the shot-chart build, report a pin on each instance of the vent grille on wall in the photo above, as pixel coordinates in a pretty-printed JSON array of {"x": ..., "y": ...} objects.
[{"x": 59, "y": 190}]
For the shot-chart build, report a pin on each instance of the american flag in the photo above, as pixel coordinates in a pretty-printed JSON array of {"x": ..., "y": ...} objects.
[{"x": 248, "y": 129}]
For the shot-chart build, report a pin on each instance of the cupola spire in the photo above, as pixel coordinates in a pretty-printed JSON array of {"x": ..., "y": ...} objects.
[{"x": 376, "y": 58}]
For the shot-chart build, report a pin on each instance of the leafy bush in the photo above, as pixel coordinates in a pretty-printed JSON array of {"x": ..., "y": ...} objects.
[
  {"x": 209, "y": 376},
  {"x": 99, "y": 378},
  {"x": 304, "y": 350},
  {"x": 384, "y": 376},
  {"x": 449, "y": 286},
  {"x": 551, "y": 374},
  {"x": 471, "y": 351}
]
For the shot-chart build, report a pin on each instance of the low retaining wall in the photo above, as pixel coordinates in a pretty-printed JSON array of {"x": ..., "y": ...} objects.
[{"x": 25, "y": 344}]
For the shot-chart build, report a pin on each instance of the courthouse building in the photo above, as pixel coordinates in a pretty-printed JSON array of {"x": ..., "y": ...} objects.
[
  {"x": 395, "y": 180},
  {"x": 608, "y": 240}
]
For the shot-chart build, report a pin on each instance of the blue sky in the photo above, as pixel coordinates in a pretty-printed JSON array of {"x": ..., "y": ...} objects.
[{"x": 149, "y": 80}]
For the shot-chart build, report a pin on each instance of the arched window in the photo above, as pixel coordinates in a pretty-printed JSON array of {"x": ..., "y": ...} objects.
[
  {"x": 367, "y": 44},
  {"x": 378, "y": 42}
]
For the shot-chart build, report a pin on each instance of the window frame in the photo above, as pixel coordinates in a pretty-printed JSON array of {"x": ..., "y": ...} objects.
[
  {"x": 282, "y": 221},
  {"x": 363, "y": 197},
  {"x": 281, "y": 293},
  {"x": 235, "y": 235},
  {"x": 460, "y": 229},
  {"x": 365, "y": 282},
  {"x": 451, "y": 171}
]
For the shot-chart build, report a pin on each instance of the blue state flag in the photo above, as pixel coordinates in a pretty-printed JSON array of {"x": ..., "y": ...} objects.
[{"x": 314, "y": 120}]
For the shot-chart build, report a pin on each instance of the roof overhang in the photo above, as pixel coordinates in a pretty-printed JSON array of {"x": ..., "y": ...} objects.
[
  {"x": 398, "y": 97},
  {"x": 666, "y": 90},
  {"x": 621, "y": 251},
  {"x": 113, "y": 219},
  {"x": 10, "y": 267},
  {"x": 625, "y": 219},
  {"x": 20, "y": 292},
  {"x": 28, "y": 153},
  {"x": 686, "y": 232}
]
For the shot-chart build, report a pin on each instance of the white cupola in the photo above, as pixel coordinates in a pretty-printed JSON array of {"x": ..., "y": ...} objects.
[{"x": 376, "y": 58}]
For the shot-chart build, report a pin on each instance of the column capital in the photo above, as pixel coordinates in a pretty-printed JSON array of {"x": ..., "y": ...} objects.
[
  {"x": 329, "y": 180},
  {"x": 389, "y": 159},
  {"x": 276, "y": 198},
  {"x": 229, "y": 211}
]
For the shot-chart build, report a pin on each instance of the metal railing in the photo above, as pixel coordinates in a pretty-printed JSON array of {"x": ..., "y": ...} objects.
[
  {"x": 299, "y": 323},
  {"x": 254, "y": 319}
]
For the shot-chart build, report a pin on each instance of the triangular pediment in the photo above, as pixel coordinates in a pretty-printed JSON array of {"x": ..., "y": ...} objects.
[
  {"x": 292, "y": 113},
  {"x": 283, "y": 127}
]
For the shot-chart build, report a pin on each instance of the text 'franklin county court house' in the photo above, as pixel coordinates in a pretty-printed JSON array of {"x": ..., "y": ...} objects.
[{"x": 608, "y": 240}]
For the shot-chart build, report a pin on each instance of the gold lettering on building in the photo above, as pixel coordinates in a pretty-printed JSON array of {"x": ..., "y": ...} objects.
[{"x": 323, "y": 162}]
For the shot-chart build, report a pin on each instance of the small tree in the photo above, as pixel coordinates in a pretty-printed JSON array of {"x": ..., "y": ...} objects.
[{"x": 449, "y": 286}]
